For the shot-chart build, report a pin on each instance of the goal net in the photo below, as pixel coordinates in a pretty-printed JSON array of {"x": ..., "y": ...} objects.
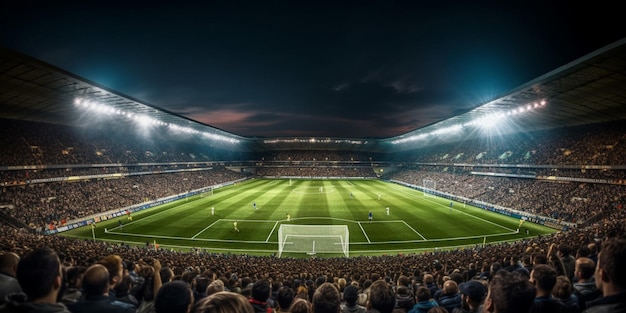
[
  {"x": 429, "y": 186},
  {"x": 313, "y": 239},
  {"x": 206, "y": 193}
]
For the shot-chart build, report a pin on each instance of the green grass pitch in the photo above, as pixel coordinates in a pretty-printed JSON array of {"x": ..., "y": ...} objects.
[{"x": 416, "y": 223}]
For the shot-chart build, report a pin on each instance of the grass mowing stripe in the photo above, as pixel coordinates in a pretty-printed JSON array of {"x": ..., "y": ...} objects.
[
  {"x": 184, "y": 222},
  {"x": 424, "y": 198}
]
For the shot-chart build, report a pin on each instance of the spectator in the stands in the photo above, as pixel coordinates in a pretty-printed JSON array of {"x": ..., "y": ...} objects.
[
  {"x": 40, "y": 275},
  {"x": 508, "y": 293},
  {"x": 8, "y": 271},
  {"x": 326, "y": 299},
  {"x": 381, "y": 298},
  {"x": 174, "y": 297},
  {"x": 96, "y": 285},
  {"x": 543, "y": 277},
  {"x": 610, "y": 278}
]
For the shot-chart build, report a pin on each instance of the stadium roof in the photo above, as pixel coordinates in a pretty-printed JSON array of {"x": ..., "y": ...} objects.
[{"x": 589, "y": 90}]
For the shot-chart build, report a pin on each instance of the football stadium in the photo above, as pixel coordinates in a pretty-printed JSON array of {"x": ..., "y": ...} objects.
[{"x": 535, "y": 176}]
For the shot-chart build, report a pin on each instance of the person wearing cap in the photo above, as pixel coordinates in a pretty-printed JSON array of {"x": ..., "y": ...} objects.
[{"x": 473, "y": 293}]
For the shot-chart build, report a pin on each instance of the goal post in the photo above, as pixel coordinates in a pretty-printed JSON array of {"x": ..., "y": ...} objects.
[
  {"x": 428, "y": 187},
  {"x": 313, "y": 239},
  {"x": 206, "y": 193}
]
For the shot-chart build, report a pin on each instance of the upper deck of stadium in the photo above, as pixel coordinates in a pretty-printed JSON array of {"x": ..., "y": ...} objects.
[{"x": 591, "y": 89}]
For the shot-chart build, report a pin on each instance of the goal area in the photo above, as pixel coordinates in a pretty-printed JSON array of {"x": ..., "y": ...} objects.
[{"x": 313, "y": 239}]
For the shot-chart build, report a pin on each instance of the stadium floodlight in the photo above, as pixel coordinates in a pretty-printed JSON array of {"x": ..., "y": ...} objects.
[{"x": 313, "y": 239}]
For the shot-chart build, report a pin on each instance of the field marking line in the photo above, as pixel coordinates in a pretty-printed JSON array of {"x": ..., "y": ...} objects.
[
  {"x": 187, "y": 238},
  {"x": 271, "y": 232},
  {"x": 364, "y": 233},
  {"x": 157, "y": 214},
  {"x": 432, "y": 240},
  {"x": 200, "y": 232},
  {"x": 465, "y": 213},
  {"x": 413, "y": 229}
]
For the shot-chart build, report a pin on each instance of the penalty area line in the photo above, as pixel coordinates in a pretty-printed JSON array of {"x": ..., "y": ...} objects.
[
  {"x": 364, "y": 233},
  {"x": 413, "y": 229},
  {"x": 271, "y": 232},
  {"x": 200, "y": 232}
]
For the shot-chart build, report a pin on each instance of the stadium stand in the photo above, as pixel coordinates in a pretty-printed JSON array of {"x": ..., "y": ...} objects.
[{"x": 52, "y": 173}]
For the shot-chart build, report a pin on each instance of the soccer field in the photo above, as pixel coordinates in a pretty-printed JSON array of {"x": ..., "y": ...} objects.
[{"x": 415, "y": 223}]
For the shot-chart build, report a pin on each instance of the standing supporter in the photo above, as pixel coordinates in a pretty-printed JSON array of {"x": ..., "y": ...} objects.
[
  {"x": 96, "y": 284},
  {"x": 174, "y": 297},
  {"x": 450, "y": 298},
  {"x": 569, "y": 261},
  {"x": 224, "y": 302},
  {"x": 404, "y": 298},
  {"x": 326, "y": 299},
  {"x": 473, "y": 294},
  {"x": 215, "y": 287},
  {"x": 199, "y": 289},
  {"x": 429, "y": 282},
  {"x": 543, "y": 277},
  {"x": 8, "y": 271},
  {"x": 585, "y": 287},
  {"x": 284, "y": 298},
  {"x": 115, "y": 267},
  {"x": 610, "y": 278},
  {"x": 261, "y": 290},
  {"x": 300, "y": 305},
  {"x": 424, "y": 300},
  {"x": 40, "y": 276},
  {"x": 74, "y": 276},
  {"x": 564, "y": 293},
  {"x": 381, "y": 298},
  {"x": 509, "y": 294},
  {"x": 150, "y": 270},
  {"x": 350, "y": 296}
]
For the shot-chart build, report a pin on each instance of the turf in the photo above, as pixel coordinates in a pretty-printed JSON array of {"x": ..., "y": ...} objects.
[{"x": 416, "y": 223}]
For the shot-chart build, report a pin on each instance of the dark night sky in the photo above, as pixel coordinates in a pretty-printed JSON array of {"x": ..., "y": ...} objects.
[{"x": 311, "y": 68}]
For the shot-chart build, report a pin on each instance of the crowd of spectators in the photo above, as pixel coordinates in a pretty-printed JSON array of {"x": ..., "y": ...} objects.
[
  {"x": 558, "y": 271},
  {"x": 319, "y": 156},
  {"x": 569, "y": 201},
  {"x": 33, "y": 143},
  {"x": 594, "y": 144},
  {"x": 39, "y": 205},
  {"x": 39, "y": 144},
  {"x": 318, "y": 171},
  {"x": 399, "y": 283}
]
